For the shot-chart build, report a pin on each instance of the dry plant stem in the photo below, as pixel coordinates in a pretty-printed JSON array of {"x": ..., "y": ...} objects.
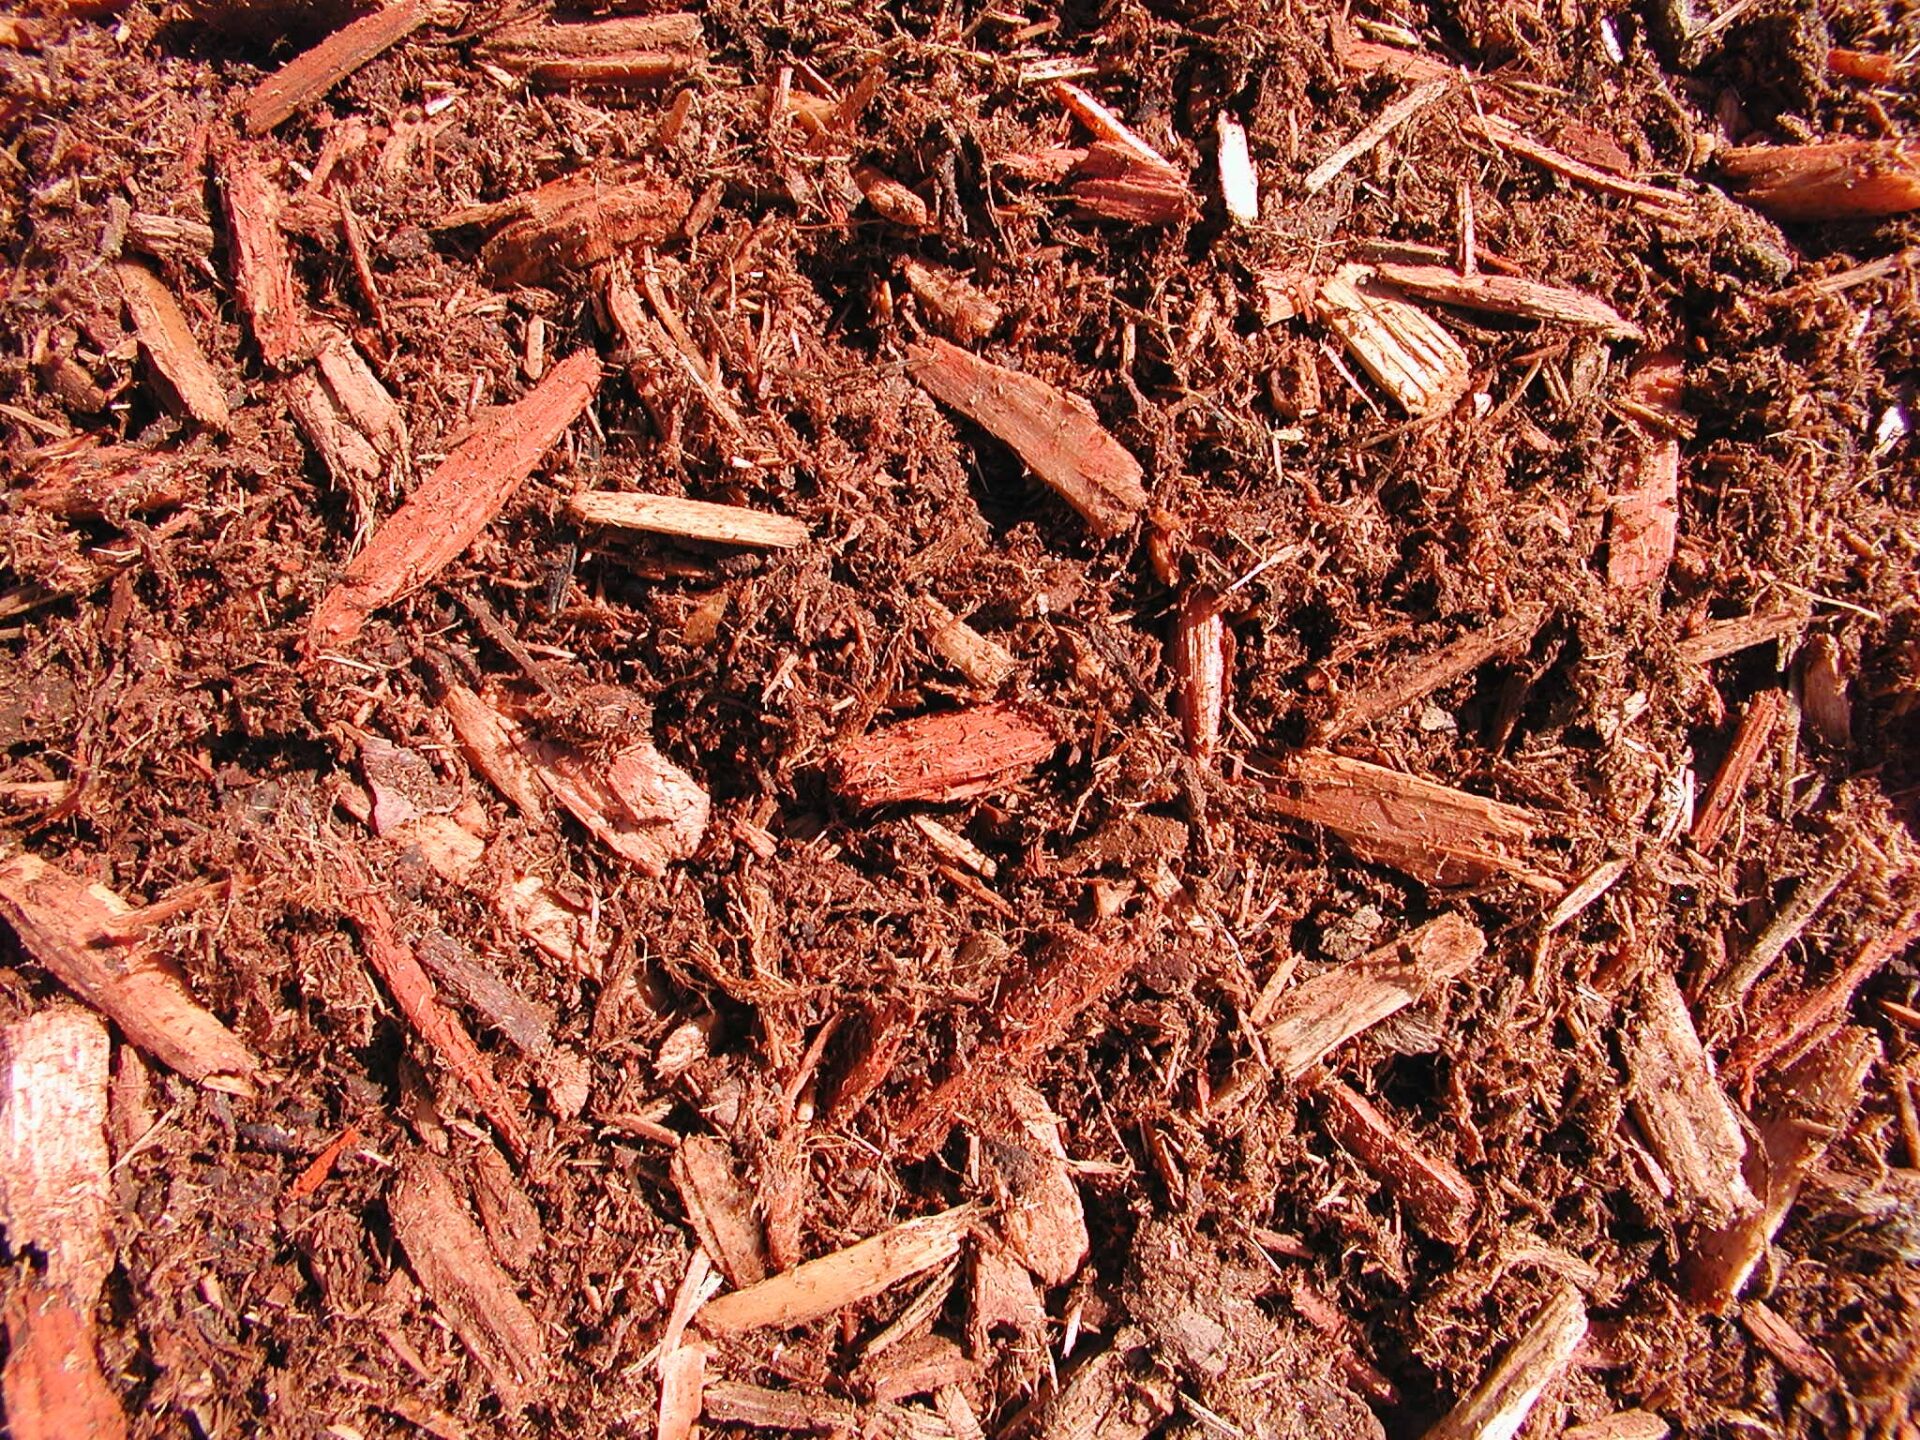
[
  {"x": 451, "y": 1259},
  {"x": 760, "y": 1408},
  {"x": 1420, "y": 675},
  {"x": 1686, "y": 1117},
  {"x": 1433, "y": 832},
  {"x": 1794, "y": 1352},
  {"x": 1730, "y": 781},
  {"x": 1201, "y": 650},
  {"x": 308, "y": 76},
  {"x": 65, "y": 925},
  {"x": 170, "y": 347},
  {"x": 1833, "y": 180},
  {"x": 1383, "y": 125},
  {"x": 1407, "y": 351},
  {"x": 1057, "y": 434},
  {"x": 262, "y": 269},
  {"x": 846, "y": 1277},
  {"x": 1437, "y": 1195},
  {"x": 1666, "y": 206},
  {"x": 448, "y": 509},
  {"x": 53, "y": 1148},
  {"x": 1808, "y": 899},
  {"x": 1800, "y": 1115},
  {"x": 1315, "y": 1018},
  {"x": 941, "y": 758},
  {"x": 413, "y": 992},
  {"x": 1506, "y": 1397},
  {"x": 688, "y": 519},
  {"x": 53, "y": 1385},
  {"x": 1510, "y": 295}
]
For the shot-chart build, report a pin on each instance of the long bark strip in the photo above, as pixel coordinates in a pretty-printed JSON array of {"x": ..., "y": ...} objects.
[{"x": 309, "y": 75}]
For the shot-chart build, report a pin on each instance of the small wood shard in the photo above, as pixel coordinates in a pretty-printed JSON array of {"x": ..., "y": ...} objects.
[
  {"x": 1730, "y": 780},
  {"x": 1506, "y": 1397},
  {"x": 1038, "y": 1004},
  {"x": 309, "y": 75},
  {"x": 1107, "y": 127},
  {"x": 53, "y": 1386},
  {"x": 1823, "y": 691},
  {"x": 262, "y": 268},
  {"x": 448, "y": 509},
  {"x": 1791, "y": 1350},
  {"x": 393, "y": 959},
  {"x": 66, "y": 925},
  {"x": 759, "y": 1408},
  {"x": 571, "y": 224},
  {"x": 1330, "y": 1009},
  {"x": 1040, "y": 1212},
  {"x": 719, "y": 1206},
  {"x": 1808, "y": 899},
  {"x": 1055, "y": 433},
  {"x": 688, "y": 519},
  {"x": 349, "y": 417},
  {"x": 1668, "y": 207},
  {"x": 1686, "y": 1117},
  {"x": 1383, "y": 125},
  {"x": 640, "y": 51},
  {"x": 683, "y": 1374},
  {"x": 1412, "y": 356},
  {"x": 1510, "y": 295},
  {"x": 1202, "y": 657},
  {"x": 1437, "y": 1195},
  {"x": 1122, "y": 177},
  {"x": 985, "y": 662},
  {"x": 81, "y": 479},
  {"x": 449, "y": 1256},
  {"x": 846, "y": 1277},
  {"x": 891, "y": 200},
  {"x": 953, "y": 303},
  {"x": 1831, "y": 180},
  {"x": 1645, "y": 516},
  {"x": 1741, "y": 632},
  {"x": 1239, "y": 181},
  {"x": 942, "y": 758},
  {"x": 1438, "y": 835},
  {"x": 1789, "y": 1030},
  {"x": 526, "y": 1024},
  {"x": 1801, "y": 1113},
  {"x": 1420, "y": 675},
  {"x": 53, "y": 1148},
  {"x": 1367, "y": 56},
  {"x": 168, "y": 343},
  {"x": 1622, "y": 1425}
]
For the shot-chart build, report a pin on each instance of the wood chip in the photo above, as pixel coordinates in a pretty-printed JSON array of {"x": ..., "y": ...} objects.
[
  {"x": 688, "y": 519},
  {"x": 1730, "y": 780},
  {"x": 846, "y": 1277},
  {"x": 1794, "y": 1353},
  {"x": 1057, "y": 434},
  {"x": 1645, "y": 514},
  {"x": 683, "y": 1374},
  {"x": 953, "y": 304},
  {"x": 1202, "y": 656},
  {"x": 1413, "y": 357},
  {"x": 448, "y": 509},
  {"x": 1506, "y": 1397},
  {"x": 1830, "y": 180},
  {"x": 640, "y": 51},
  {"x": 1823, "y": 691},
  {"x": 986, "y": 663},
  {"x": 573, "y": 223},
  {"x": 1437, "y": 1195},
  {"x": 526, "y": 1023},
  {"x": 262, "y": 268},
  {"x": 1802, "y": 1112},
  {"x": 449, "y": 1256},
  {"x": 1383, "y": 125},
  {"x": 67, "y": 927},
  {"x": 1622, "y": 1425},
  {"x": 720, "y": 1207},
  {"x": 942, "y": 758},
  {"x": 1418, "y": 676},
  {"x": 759, "y": 1408},
  {"x": 1686, "y": 1117},
  {"x": 1039, "y": 1212},
  {"x": 1113, "y": 183},
  {"x": 1112, "y": 1396},
  {"x": 1510, "y": 295},
  {"x": 1239, "y": 181},
  {"x": 1741, "y": 632},
  {"x": 919, "y": 1367},
  {"x": 81, "y": 479},
  {"x": 1368, "y": 57},
  {"x": 1314, "y": 1018},
  {"x": 1438, "y": 835},
  {"x": 53, "y": 1385},
  {"x": 54, "y": 1194},
  {"x": 168, "y": 343},
  {"x": 309, "y": 75},
  {"x": 414, "y": 993}
]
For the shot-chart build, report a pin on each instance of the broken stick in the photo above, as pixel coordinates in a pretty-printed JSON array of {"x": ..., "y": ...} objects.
[
  {"x": 1413, "y": 357},
  {"x": 1510, "y": 295},
  {"x": 176, "y": 357},
  {"x": 262, "y": 268},
  {"x": 1434, "y": 1192},
  {"x": 1686, "y": 1117},
  {"x": 1388, "y": 121},
  {"x": 1057, "y": 434},
  {"x": 1831, "y": 180},
  {"x": 309, "y": 75},
  {"x": 688, "y": 519},
  {"x": 1420, "y": 675},
  {"x": 1500, "y": 1406},
  {"x": 448, "y": 509}
]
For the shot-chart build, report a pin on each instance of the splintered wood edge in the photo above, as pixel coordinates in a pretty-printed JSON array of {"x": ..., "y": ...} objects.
[
  {"x": 1505, "y": 1398},
  {"x": 689, "y": 519}
]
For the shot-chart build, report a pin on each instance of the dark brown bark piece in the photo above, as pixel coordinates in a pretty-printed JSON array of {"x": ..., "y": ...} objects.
[
  {"x": 1057, "y": 434},
  {"x": 449, "y": 1256},
  {"x": 720, "y": 1208}
]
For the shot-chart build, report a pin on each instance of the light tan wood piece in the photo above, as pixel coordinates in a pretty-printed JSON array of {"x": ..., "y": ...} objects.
[
  {"x": 1677, "y": 1100},
  {"x": 688, "y": 519},
  {"x": 1506, "y": 1397},
  {"x": 1412, "y": 356}
]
